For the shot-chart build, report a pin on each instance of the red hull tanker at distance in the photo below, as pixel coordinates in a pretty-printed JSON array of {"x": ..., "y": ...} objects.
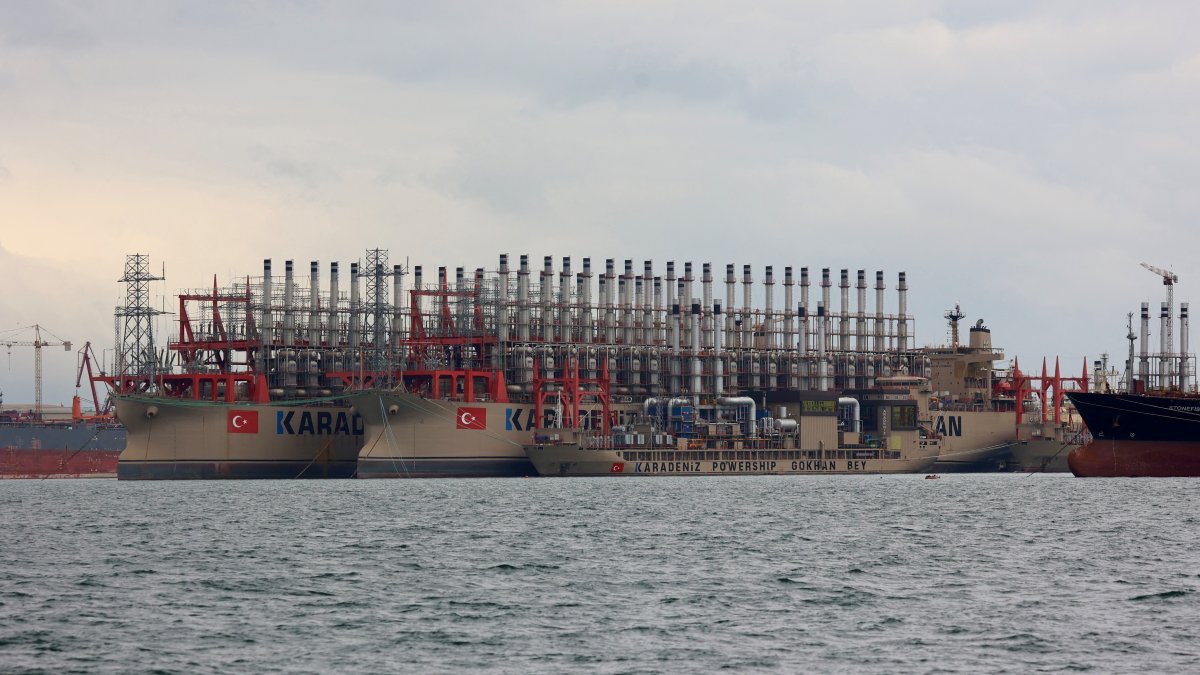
[{"x": 1138, "y": 435}]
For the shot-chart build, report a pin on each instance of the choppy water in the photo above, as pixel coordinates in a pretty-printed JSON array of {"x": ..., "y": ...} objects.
[{"x": 995, "y": 573}]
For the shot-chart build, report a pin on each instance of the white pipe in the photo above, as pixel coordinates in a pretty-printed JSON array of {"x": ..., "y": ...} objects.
[
  {"x": 743, "y": 401},
  {"x": 846, "y": 400}
]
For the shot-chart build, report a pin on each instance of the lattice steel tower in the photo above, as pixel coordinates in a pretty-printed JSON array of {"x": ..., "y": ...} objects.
[
  {"x": 378, "y": 313},
  {"x": 136, "y": 353}
]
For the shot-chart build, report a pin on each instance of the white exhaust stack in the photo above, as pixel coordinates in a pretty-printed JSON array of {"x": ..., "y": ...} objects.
[
  {"x": 565, "y": 280},
  {"x": 789, "y": 334},
  {"x": 266, "y": 326},
  {"x": 355, "y": 311},
  {"x": 522, "y": 300},
  {"x": 314, "y": 304},
  {"x": 397, "y": 307},
  {"x": 861, "y": 317},
  {"x": 609, "y": 287},
  {"x": 1183, "y": 347},
  {"x": 1164, "y": 348},
  {"x": 289, "y": 305},
  {"x": 547, "y": 295},
  {"x": 502, "y": 303},
  {"x": 747, "y": 318},
  {"x": 586, "y": 320},
  {"x": 730, "y": 292},
  {"x": 719, "y": 354},
  {"x": 334, "y": 331},
  {"x": 844, "y": 314},
  {"x": 696, "y": 367},
  {"x": 1144, "y": 357},
  {"x": 706, "y": 281},
  {"x": 769, "y": 308},
  {"x": 880, "y": 345}
]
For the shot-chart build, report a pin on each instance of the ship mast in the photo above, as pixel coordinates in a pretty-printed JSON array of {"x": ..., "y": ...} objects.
[
  {"x": 954, "y": 315},
  {"x": 1129, "y": 364}
]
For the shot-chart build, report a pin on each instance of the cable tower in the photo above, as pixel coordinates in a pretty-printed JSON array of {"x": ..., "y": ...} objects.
[{"x": 136, "y": 353}]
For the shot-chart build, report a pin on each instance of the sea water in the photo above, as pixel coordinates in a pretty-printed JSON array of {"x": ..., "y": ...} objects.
[{"x": 975, "y": 573}]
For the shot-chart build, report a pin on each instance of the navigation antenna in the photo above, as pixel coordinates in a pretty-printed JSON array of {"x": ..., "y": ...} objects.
[
  {"x": 1129, "y": 364},
  {"x": 954, "y": 315}
]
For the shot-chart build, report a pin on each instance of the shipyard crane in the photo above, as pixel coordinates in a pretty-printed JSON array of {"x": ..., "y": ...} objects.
[
  {"x": 37, "y": 343},
  {"x": 1169, "y": 280}
]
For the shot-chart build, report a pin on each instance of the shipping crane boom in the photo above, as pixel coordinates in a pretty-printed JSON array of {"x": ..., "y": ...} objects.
[{"x": 1169, "y": 280}]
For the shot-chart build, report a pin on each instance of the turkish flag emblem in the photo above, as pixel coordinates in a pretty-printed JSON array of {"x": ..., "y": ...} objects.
[
  {"x": 471, "y": 418},
  {"x": 242, "y": 422},
  {"x": 617, "y": 467}
]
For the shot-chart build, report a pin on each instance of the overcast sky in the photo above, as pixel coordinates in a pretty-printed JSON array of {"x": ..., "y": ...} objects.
[{"x": 1018, "y": 157}]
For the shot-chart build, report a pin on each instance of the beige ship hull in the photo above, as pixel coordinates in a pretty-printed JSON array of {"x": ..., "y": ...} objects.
[
  {"x": 973, "y": 440},
  {"x": 407, "y": 436},
  {"x": 170, "y": 439},
  {"x": 570, "y": 459}
]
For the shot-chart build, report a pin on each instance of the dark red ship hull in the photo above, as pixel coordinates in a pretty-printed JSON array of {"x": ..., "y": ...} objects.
[
  {"x": 41, "y": 463},
  {"x": 1104, "y": 458},
  {"x": 1137, "y": 435}
]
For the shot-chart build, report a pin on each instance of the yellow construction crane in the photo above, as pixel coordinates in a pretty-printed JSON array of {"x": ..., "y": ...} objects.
[{"x": 37, "y": 343}]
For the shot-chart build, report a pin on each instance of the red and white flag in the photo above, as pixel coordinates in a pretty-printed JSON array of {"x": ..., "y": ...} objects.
[
  {"x": 617, "y": 467},
  {"x": 471, "y": 418},
  {"x": 242, "y": 422}
]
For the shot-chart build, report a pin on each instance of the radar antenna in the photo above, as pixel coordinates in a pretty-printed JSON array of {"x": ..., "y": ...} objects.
[{"x": 954, "y": 315}]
